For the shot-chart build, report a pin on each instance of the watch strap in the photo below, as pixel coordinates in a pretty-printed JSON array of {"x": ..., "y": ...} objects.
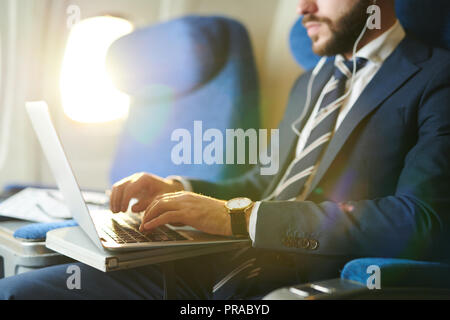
[{"x": 239, "y": 224}]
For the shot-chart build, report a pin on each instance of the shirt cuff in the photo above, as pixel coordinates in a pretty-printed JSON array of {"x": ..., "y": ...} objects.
[
  {"x": 186, "y": 184},
  {"x": 252, "y": 222}
]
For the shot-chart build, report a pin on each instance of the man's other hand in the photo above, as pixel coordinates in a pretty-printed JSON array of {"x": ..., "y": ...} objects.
[
  {"x": 186, "y": 208},
  {"x": 141, "y": 186}
]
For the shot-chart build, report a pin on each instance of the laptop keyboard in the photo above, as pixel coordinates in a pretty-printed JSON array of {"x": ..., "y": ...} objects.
[{"x": 125, "y": 229}]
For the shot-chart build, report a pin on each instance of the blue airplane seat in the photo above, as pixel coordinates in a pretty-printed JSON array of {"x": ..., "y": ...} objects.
[
  {"x": 189, "y": 69},
  {"x": 430, "y": 22}
]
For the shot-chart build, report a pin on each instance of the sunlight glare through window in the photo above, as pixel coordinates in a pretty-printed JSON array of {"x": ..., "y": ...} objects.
[{"x": 87, "y": 92}]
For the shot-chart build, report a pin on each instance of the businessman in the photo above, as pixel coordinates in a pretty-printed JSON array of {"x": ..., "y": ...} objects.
[{"x": 365, "y": 173}]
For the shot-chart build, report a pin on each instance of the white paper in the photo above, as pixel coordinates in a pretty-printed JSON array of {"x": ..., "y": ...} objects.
[{"x": 45, "y": 205}]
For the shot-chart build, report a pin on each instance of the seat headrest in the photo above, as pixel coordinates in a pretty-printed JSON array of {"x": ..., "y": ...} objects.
[
  {"x": 178, "y": 55},
  {"x": 427, "y": 20}
]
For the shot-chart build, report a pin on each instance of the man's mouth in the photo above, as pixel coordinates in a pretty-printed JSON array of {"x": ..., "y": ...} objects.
[{"x": 312, "y": 28}]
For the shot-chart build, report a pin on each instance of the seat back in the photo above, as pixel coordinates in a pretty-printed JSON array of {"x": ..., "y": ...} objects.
[{"x": 189, "y": 69}]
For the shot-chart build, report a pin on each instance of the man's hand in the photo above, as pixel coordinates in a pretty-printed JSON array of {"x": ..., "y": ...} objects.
[
  {"x": 202, "y": 213},
  {"x": 141, "y": 186}
]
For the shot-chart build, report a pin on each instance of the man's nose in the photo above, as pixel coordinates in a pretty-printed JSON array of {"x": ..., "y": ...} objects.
[{"x": 305, "y": 7}]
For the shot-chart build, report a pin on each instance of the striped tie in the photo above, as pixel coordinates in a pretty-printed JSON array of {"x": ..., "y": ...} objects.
[{"x": 304, "y": 166}]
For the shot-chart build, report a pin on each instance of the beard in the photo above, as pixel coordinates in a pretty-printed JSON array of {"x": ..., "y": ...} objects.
[{"x": 345, "y": 31}]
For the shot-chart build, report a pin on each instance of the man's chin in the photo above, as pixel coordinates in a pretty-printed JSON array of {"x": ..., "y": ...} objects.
[
  {"x": 325, "y": 47},
  {"x": 319, "y": 49},
  {"x": 320, "y": 43}
]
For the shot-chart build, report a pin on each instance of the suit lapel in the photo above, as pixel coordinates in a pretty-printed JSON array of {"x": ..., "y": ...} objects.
[
  {"x": 382, "y": 86},
  {"x": 288, "y": 138}
]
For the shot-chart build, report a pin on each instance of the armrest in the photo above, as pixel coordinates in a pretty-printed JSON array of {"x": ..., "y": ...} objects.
[
  {"x": 38, "y": 231},
  {"x": 400, "y": 279},
  {"x": 396, "y": 273}
]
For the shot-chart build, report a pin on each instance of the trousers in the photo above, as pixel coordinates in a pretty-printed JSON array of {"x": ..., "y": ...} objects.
[{"x": 196, "y": 279}]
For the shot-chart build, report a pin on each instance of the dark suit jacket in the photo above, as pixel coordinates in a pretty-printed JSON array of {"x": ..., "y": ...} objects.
[{"x": 383, "y": 186}]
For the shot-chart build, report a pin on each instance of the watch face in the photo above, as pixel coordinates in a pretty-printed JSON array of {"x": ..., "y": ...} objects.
[{"x": 239, "y": 203}]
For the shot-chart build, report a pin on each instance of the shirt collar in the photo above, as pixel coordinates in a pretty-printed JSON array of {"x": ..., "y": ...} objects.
[{"x": 379, "y": 49}]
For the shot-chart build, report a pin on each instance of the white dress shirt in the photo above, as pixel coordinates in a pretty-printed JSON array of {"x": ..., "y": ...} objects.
[{"x": 377, "y": 51}]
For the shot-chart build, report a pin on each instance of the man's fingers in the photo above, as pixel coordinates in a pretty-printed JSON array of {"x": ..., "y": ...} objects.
[
  {"x": 111, "y": 200},
  {"x": 156, "y": 208},
  {"x": 129, "y": 193},
  {"x": 140, "y": 206},
  {"x": 145, "y": 203},
  {"x": 161, "y": 205},
  {"x": 116, "y": 197},
  {"x": 170, "y": 217}
]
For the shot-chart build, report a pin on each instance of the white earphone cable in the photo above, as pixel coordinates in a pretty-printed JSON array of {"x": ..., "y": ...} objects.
[{"x": 315, "y": 72}]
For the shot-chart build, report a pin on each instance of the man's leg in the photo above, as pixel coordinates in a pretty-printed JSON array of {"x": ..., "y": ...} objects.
[
  {"x": 193, "y": 282},
  {"x": 196, "y": 278},
  {"x": 259, "y": 273}
]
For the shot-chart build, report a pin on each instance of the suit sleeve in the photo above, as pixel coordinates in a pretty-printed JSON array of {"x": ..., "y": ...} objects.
[
  {"x": 251, "y": 185},
  {"x": 412, "y": 223}
]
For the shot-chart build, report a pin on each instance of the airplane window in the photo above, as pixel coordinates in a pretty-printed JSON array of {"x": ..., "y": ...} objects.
[{"x": 87, "y": 92}]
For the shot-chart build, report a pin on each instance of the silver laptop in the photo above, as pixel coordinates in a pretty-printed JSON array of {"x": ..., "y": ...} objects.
[{"x": 105, "y": 229}]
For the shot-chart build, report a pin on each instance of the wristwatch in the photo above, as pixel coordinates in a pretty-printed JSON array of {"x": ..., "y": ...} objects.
[{"x": 237, "y": 208}]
